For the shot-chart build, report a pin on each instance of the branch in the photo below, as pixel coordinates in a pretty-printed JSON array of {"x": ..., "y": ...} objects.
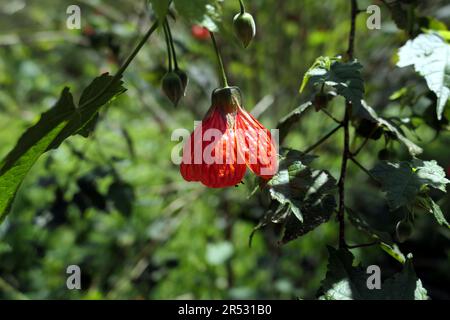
[
  {"x": 346, "y": 154},
  {"x": 323, "y": 139}
]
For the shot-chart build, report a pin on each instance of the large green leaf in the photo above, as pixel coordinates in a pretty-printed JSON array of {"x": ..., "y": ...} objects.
[
  {"x": 54, "y": 126},
  {"x": 202, "y": 12},
  {"x": 430, "y": 55},
  {"x": 33, "y": 143},
  {"x": 403, "y": 181},
  {"x": 304, "y": 196},
  {"x": 344, "y": 77},
  {"x": 344, "y": 281}
]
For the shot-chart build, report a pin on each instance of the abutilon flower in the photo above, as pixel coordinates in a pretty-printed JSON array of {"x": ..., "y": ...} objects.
[{"x": 228, "y": 140}]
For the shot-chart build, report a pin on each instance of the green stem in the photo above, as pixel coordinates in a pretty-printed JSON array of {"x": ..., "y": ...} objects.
[
  {"x": 125, "y": 65},
  {"x": 241, "y": 4},
  {"x": 172, "y": 46},
  {"x": 169, "y": 50},
  {"x": 219, "y": 60}
]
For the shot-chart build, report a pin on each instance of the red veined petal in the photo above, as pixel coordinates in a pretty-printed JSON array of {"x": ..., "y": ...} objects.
[
  {"x": 255, "y": 145},
  {"x": 210, "y": 154}
]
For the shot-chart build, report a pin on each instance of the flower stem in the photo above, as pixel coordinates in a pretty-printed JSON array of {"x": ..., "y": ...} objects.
[
  {"x": 219, "y": 60},
  {"x": 241, "y": 4},
  {"x": 169, "y": 50},
  {"x": 172, "y": 46},
  {"x": 124, "y": 66}
]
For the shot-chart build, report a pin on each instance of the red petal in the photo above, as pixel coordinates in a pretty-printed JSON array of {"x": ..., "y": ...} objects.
[
  {"x": 213, "y": 162},
  {"x": 255, "y": 145}
]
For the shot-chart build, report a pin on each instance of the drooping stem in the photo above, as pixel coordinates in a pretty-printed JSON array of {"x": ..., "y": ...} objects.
[
  {"x": 169, "y": 48},
  {"x": 172, "y": 46},
  {"x": 219, "y": 60},
  {"x": 241, "y": 4},
  {"x": 346, "y": 154},
  {"x": 124, "y": 66}
]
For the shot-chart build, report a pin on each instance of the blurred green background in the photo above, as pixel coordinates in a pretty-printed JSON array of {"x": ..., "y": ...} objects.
[{"x": 115, "y": 205}]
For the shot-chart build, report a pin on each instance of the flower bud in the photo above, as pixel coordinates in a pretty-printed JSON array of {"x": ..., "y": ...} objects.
[
  {"x": 172, "y": 87},
  {"x": 184, "y": 79},
  {"x": 244, "y": 28}
]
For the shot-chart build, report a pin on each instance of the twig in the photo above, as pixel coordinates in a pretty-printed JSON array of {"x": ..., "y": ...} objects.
[
  {"x": 362, "y": 245},
  {"x": 330, "y": 115},
  {"x": 363, "y": 169},
  {"x": 323, "y": 139}
]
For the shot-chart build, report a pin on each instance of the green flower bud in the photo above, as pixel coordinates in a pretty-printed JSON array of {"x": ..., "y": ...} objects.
[
  {"x": 244, "y": 28},
  {"x": 172, "y": 87},
  {"x": 184, "y": 79},
  {"x": 403, "y": 230}
]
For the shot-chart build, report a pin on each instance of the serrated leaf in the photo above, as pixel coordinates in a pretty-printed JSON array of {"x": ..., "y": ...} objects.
[
  {"x": 33, "y": 143},
  {"x": 95, "y": 95},
  {"x": 430, "y": 55},
  {"x": 160, "y": 7},
  {"x": 305, "y": 195},
  {"x": 402, "y": 181},
  {"x": 54, "y": 126},
  {"x": 368, "y": 113},
  {"x": 345, "y": 77},
  {"x": 385, "y": 240},
  {"x": 202, "y": 12},
  {"x": 344, "y": 281},
  {"x": 430, "y": 173},
  {"x": 432, "y": 207}
]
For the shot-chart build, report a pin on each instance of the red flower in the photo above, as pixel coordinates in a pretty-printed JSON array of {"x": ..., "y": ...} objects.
[
  {"x": 199, "y": 32},
  {"x": 228, "y": 140}
]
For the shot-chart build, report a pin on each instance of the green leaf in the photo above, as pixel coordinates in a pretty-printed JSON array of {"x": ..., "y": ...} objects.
[
  {"x": 202, "y": 12},
  {"x": 430, "y": 55},
  {"x": 344, "y": 281},
  {"x": 285, "y": 124},
  {"x": 432, "y": 207},
  {"x": 33, "y": 143},
  {"x": 402, "y": 181},
  {"x": 430, "y": 173},
  {"x": 385, "y": 240},
  {"x": 160, "y": 7},
  {"x": 54, "y": 126},
  {"x": 368, "y": 113},
  {"x": 344, "y": 77},
  {"x": 305, "y": 196},
  {"x": 94, "y": 96}
]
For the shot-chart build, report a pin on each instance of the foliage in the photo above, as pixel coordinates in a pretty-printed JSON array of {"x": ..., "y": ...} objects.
[{"x": 110, "y": 200}]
